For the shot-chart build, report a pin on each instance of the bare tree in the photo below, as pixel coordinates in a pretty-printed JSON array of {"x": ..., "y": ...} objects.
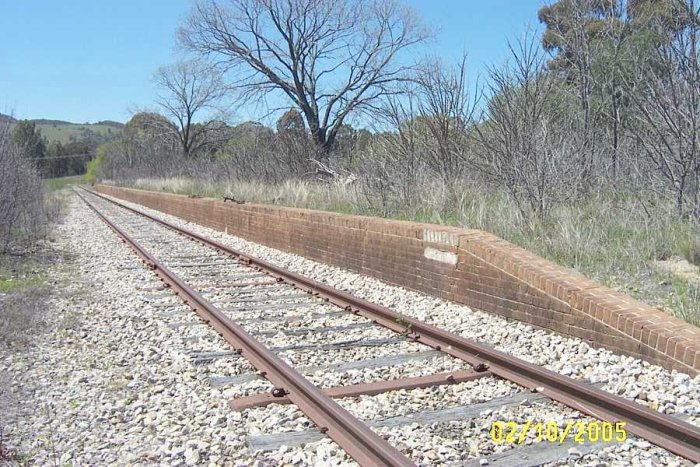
[
  {"x": 189, "y": 89},
  {"x": 447, "y": 111},
  {"x": 395, "y": 162},
  {"x": 21, "y": 195},
  {"x": 525, "y": 142},
  {"x": 329, "y": 58},
  {"x": 668, "y": 108}
]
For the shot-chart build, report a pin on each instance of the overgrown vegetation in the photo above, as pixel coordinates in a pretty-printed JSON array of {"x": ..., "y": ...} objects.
[
  {"x": 59, "y": 183},
  {"x": 24, "y": 218},
  {"x": 583, "y": 147},
  {"x": 23, "y": 296},
  {"x": 609, "y": 237},
  {"x": 22, "y": 212}
]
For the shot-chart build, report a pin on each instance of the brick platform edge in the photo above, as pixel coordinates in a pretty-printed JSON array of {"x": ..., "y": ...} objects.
[{"x": 467, "y": 266}]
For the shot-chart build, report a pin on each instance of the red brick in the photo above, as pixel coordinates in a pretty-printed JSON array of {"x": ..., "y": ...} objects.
[{"x": 490, "y": 274}]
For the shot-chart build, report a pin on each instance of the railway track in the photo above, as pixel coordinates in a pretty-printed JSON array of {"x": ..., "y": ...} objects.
[{"x": 256, "y": 306}]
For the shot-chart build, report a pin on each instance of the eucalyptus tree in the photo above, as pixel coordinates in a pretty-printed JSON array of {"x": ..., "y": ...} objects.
[{"x": 329, "y": 59}]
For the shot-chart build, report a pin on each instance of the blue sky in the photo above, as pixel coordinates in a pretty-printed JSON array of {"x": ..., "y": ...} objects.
[{"x": 87, "y": 60}]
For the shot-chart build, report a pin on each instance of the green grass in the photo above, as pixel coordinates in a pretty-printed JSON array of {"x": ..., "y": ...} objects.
[
  {"x": 23, "y": 299},
  {"x": 18, "y": 276},
  {"x": 608, "y": 238},
  {"x": 64, "y": 132},
  {"x": 8, "y": 284},
  {"x": 55, "y": 184}
]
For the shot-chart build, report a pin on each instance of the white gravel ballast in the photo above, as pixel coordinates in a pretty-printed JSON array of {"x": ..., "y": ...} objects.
[{"x": 122, "y": 386}]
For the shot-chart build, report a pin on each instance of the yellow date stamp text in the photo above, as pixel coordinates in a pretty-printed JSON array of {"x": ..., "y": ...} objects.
[{"x": 581, "y": 431}]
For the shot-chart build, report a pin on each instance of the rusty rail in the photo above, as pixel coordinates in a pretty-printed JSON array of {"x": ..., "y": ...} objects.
[
  {"x": 263, "y": 399},
  {"x": 356, "y": 438},
  {"x": 677, "y": 436}
]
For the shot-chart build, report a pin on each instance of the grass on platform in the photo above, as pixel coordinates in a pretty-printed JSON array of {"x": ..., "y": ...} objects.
[{"x": 55, "y": 184}]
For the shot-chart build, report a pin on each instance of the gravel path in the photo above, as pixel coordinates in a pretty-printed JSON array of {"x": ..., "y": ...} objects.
[
  {"x": 117, "y": 388},
  {"x": 121, "y": 387}
]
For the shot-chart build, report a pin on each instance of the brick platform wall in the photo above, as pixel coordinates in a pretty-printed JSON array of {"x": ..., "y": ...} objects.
[{"x": 467, "y": 266}]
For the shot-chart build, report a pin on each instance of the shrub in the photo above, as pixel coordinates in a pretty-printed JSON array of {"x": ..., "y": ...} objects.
[
  {"x": 94, "y": 167},
  {"x": 21, "y": 195}
]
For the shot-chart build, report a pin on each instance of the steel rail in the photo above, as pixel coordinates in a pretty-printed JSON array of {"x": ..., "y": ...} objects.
[
  {"x": 675, "y": 435},
  {"x": 351, "y": 434},
  {"x": 378, "y": 387}
]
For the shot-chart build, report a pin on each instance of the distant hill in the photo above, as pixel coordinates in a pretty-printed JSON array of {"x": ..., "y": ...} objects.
[
  {"x": 43, "y": 121},
  {"x": 64, "y": 132},
  {"x": 111, "y": 123},
  {"x": 5, "y": 118}
]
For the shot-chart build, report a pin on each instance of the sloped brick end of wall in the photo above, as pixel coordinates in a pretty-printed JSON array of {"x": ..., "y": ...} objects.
[{"x": 467, "y": 266}]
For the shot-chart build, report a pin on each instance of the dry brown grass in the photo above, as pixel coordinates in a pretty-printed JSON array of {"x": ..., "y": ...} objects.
[
  {"x": 22, "y": 314},
  {"x": 608, "y": 237}
]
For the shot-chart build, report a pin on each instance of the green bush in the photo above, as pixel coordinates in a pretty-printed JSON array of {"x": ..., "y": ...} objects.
[{"x": 94, "y": 167}]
